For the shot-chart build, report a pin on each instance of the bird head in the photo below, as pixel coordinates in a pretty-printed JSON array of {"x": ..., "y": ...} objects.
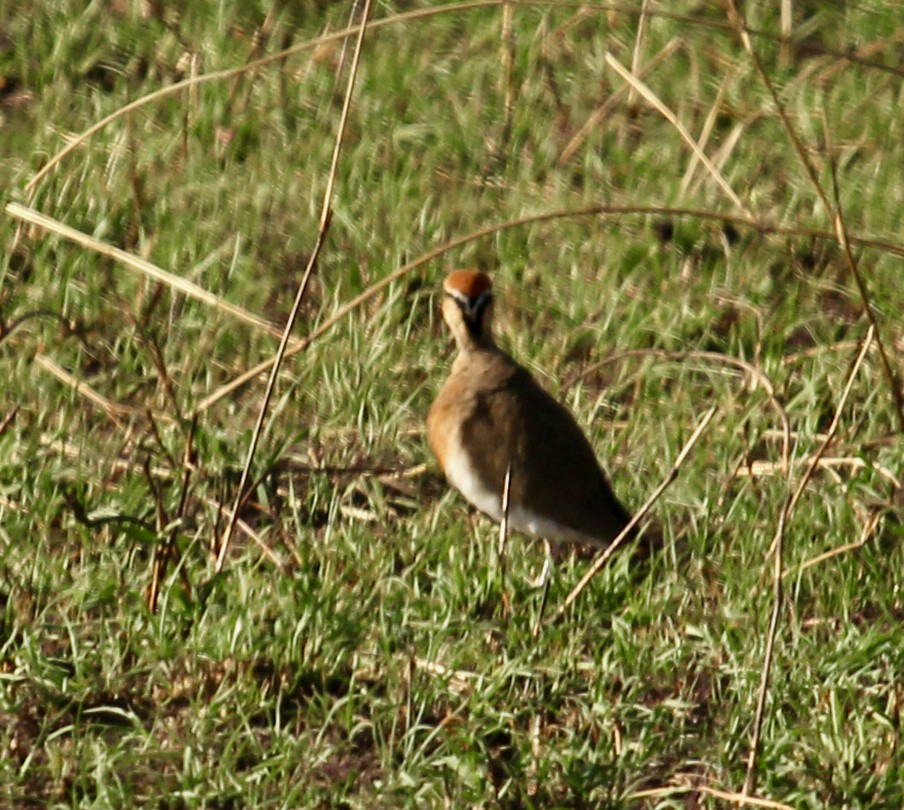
[{"x": 468, "y": 308}]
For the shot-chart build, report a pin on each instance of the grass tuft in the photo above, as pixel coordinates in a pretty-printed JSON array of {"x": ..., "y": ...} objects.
[{"x": 164, "y": 170}]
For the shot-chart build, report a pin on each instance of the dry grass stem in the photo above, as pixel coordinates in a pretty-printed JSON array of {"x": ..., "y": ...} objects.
[
  {"x": 723, "y": 359},
  {"x": 636, "y": 53},
  {"x": 114, "y": 411},
  {"x": 459, "y": 680},
  {"x": 628, "y": 531},
  {"x": 503, "y": 537},
  {"x": 613, "y": 100},
  {"x": 592, "y": 210},
  {"x": 869, "y": 529},
  {"x": 174, "y": 282},
  {"x": 722, "y": 154},
  {"x": 777, "y": 550},
  {"x": 168, "y": 549},
  {"x": 862, "y": 54},
  {"x": 503, "y": 524},
  {"x": 325, "y": 217},
  {"x": 654, "y": 101},
  {"x": 764, "y": 468},
  {"x": 815, "y": 351},
  {"x": 705, "y": 132},
  {"x": 248, "y": 531},
  {"x": 836, "y": 419},
  {"x": 834, "y": 213},
  {"x": 508, "y": 74},
  {"x": 735, "y": 798},
  {"x": 72, "y": 452}
]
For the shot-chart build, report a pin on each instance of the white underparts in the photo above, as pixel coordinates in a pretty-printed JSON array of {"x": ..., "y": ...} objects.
[{"x": 464, "y": 478}]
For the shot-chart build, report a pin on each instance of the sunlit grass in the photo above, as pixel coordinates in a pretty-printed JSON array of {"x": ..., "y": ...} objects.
[{"x": 376, "y": 656}]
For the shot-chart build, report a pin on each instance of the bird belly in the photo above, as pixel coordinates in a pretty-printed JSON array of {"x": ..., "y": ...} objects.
[
  {"x": 465, "y": 478},
  {"x": 463, "y": 475},
  {"x": 528, "y": 522}
]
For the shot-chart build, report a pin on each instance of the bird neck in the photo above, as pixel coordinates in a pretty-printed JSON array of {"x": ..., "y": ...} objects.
[{"x": 474, "y": 340}]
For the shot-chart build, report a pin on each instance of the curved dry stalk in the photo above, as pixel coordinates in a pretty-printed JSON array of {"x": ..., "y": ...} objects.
[
  {"x": 410, "y": 16},
  {"x": 866, "y": 533},
  {"x": 174, "y": 282},
  {"x": 777, "y": 550},
  {"x": 725, "y": 359},
  {"x": 532, "y": 219},
  {"x": 114, "y": 410},
  {"x": 628, "y": 531},
  {"x": 222, "y": 75},
  {"x": 325, "y": 217},
  {"x": 834, "y": 213}
]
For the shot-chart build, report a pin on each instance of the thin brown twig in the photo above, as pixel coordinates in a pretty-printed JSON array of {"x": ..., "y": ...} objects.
[
  {"x": 834, "y": 213},
  {"x": 6, "y": 329},
  {"x": 613, "y": 100},
  {"x": 169, "y": 388},
  {"x": 123, "y": 257},
  {"x": 867, "y": 532},
  {"x": 673, "y": 119},
  {"x": 715, "y": 357},
  {"x": 168, "y": 549},
  {"x": 735, "y": 798},
  {"x": 628, "y": 530},
  {"x": 777, "y": 550},
  {"x": 325, "y": 217},
  {"x": 8, "y": 420},
  {"x": 158, "y": 438},
  {"x": 508, "y": 71},
  {"x": 532, "y": 219},
  {"x": 862, "y": 54}
]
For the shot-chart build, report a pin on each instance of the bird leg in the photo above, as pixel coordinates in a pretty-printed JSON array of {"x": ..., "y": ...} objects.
[{"x": 543, "y": 580}]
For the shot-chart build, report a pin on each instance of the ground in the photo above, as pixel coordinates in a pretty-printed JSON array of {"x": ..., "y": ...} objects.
[{"x": 663, "y": 211}]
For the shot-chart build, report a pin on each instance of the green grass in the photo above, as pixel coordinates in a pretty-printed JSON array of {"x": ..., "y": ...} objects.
[{"x": 311, "y": 681}]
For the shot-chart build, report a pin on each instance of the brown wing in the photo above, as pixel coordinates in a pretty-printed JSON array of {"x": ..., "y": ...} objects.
[{"x": 565, "y": 481}]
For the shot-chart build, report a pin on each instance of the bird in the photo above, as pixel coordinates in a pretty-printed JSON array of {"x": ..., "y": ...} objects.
[{"x": 492, "y": 418}]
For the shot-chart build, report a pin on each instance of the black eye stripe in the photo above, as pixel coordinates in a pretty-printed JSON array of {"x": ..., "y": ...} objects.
[{"x": 471, "y": 308}]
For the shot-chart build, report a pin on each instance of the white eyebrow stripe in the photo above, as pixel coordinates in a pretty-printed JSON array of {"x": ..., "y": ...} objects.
[{"x": 471, "y": 305}]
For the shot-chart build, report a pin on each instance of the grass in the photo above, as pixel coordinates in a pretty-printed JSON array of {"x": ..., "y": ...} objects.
[{"x": 367, "y": 658}]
